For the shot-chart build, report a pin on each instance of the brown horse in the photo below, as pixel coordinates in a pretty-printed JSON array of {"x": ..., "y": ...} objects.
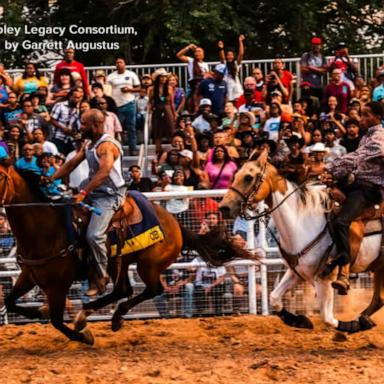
[{"x": 49, "y": 261}]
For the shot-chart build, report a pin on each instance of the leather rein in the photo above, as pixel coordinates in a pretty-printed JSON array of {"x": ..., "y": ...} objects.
[{"x": 246, "y": 205}]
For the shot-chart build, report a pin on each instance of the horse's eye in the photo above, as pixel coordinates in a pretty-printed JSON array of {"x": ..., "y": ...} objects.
[{"x": 248, "y": 178}]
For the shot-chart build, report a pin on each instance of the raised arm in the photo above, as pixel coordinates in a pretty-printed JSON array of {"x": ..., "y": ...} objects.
[
  {"x": 220, "y": 44},
  {"x": 240, "y": 54},
  {"x": 181, "y": 55}
]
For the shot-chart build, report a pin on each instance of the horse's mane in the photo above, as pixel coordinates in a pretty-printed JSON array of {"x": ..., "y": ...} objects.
[
  {"x": 310, "y": 197},
  {"x": 33, "y": 181}
]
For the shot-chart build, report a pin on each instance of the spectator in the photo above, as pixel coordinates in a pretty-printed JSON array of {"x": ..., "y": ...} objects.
[
  {"x": 112, "y": 124},
  {"x": 378, "y": 92},
  {"x": 162, "y": 108},
  {"x": 74, "y": 66},
  {"x": 316, "y": 137},
  {"x": 28, "y": 162},
  {"x": 66, "y": 121},
  {"x": 139, "y": 183},
  {"x": 231, "y": 117},
  {"x": 215, "y": 89},
  {"x": 84, "y": 107},
  {"x": 231, "y": 74},
  {"x": 197, "y": 70},
  {"x": 146, "y": 81},
  {"x": 335, "y": 150},
  {"x": 272, "y": 125},
  {"x": 220, "y": 168},
  {"x": 250, "y": 83},
  {"x": 352, "y": 139},
  {"x": 179, "y": 97},
  {"x": 39, "y": 107},
  {"x": 124, "y": 85},
  {"x": 31, "y": 120},
  {"x": 11, "y": 114},
  {"x": 313, "y": 67},
  {"x": 7, "y": 79},
  {"x": 98, "y": 91},
  {"x": 178, "y": 207},
  {"x": 257, "y": 73},
  {"x": 15, "y": 141},
  {"x": 316, "y": 163},
  {"x": 100, "y": 78},
  {"x": 339, "y": 89},
  {"x": 201, "y": 123},
  {"x": 344, "y": 62},
  {"x": 293, "y": 167},
  {"x": 365, "y": 94},
  {"x": 30, "y": 81},
  {"x": 59, "y": 91},
  {"x": 4, "y": 89},
  {"x": 280, "y": 79},
  {"x": 39, "y": 136},
  {"x": 142, "y": 108}
]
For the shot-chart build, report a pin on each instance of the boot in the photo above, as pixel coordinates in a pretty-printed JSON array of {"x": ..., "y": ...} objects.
[
  {"x": 98, "y": 286},
  {"x": 342, "y": 281}
]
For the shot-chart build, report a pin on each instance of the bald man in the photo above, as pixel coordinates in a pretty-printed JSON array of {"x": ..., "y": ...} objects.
[{"x": 105, "y": 186}]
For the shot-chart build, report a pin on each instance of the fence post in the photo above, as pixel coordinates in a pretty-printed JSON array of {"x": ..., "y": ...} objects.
[
  {"x": 251, "y": 269},
  {"x": 263, "y": 271},
  {"x": 298, "y": 80}
]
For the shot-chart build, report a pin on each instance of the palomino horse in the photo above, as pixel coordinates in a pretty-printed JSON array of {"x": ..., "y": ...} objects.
[
  {"x": 300, "y": 217},
  {"x": 49, "y": 261}
]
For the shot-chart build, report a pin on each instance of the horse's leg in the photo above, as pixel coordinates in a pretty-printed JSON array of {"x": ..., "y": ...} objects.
[
  {"x": 150, "y": 274},
  {"x": 122, "y": 288},
  {"x": 378, "y": 293},
  {"x": 289, "y": 280},
  {"x": 325, "y": 296},
  {"x": 24, "y": 284},
  {"x": 56, "y": 301}
]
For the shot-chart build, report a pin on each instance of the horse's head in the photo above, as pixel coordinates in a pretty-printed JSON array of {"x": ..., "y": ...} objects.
[{"x": 254, "y": 182}]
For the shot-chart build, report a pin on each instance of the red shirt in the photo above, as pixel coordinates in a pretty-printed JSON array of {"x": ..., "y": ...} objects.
[
  {"x": 286, "y": 80},
  {"x": 257, "y": 96},
  {"x": 342, "y": 92},
  {"x": 73, "y": 66}
]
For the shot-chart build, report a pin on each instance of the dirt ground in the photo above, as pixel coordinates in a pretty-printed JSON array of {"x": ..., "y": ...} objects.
[{"x": 242, "y": 349}]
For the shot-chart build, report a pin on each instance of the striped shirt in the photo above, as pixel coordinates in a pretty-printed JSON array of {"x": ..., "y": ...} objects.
[
  {"x": 67, "y": 116},
  {"x": 366, "y": 163}
]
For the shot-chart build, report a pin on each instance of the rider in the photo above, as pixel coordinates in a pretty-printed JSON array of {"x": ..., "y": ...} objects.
[
  {"x": 105, "y": 186},
  {"x": 360, "y": 175}
]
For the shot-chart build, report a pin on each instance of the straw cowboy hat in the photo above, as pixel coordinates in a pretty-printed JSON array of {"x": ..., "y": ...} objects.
[
  {"x": 159, "y": 72},
  {"x": 250, "y": 115},
  {"x": 319, "y": 147}
]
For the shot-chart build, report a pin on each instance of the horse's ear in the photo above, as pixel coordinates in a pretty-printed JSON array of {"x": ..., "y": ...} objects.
[
  {"x": 263, "y": 158},
  {"x": 254, "y": 155}
]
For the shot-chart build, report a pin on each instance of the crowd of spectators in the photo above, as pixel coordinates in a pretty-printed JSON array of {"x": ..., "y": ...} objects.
[{"x": 212, "y": 126}]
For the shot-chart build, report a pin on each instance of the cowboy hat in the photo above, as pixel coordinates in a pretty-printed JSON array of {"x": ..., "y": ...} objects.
[
  {"x": 250, "y": 115},
  {"x": 159, "y": 72}
]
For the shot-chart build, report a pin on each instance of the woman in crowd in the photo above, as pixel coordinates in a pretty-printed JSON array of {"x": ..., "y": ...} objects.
[
  {"x": 178, "y": 93},
  {"x": 178, "y": 207},
  {"x": 39, "y": 136},
  {"x": 15, "y": 140},
  {"x": 60, "y": 90},
  {"x": 100, "y": 78},
  {"x": 231, "y": 117},
  {"x": 233, "y": 66},
  {"x": 197, "y": 70},
  {"x": 162, "y": 108},
  {"x": 220, "y": 168},
  {"x": 3, "y": 90},
  {"x": 30, "y": 81}
]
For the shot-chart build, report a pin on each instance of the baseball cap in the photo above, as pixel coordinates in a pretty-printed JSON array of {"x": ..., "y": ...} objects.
[
  {"x": 316, "y": 41},
  {"x": 220, "y": 68},
  {"x": 205, "y": 102},
  {"x": 186, "y": 153},
  {"x": 341, "y": 45}
]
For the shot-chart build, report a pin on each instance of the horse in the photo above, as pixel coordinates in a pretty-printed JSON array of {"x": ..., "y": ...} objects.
[
  {"x": 300, "y": 215},
  {"x": 48, "y": 258}
]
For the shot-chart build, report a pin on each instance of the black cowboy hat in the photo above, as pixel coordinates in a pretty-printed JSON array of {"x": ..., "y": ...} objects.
[
  {"x": 295, "y": 139},
  {"x": 272, "y": 144}
]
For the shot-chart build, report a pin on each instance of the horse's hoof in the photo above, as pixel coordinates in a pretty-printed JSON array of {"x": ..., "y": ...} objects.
[
  {"x": 117, "y": 324},
  {"x": 87, "y": 337},
  {"x": 366, "y": 323},
  {"x": 303, "y": 322},
  {"x": 80, "y": 321},
  {"x": 44, "y": 312}
]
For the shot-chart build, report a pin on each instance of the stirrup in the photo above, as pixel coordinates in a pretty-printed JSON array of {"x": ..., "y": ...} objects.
[{"x": 342, "y": 286}]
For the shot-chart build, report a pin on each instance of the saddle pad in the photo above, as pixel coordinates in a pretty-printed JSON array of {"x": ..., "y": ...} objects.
[
  {"x": 141, "y": 235},
  {"x": 371, "y": 226}
]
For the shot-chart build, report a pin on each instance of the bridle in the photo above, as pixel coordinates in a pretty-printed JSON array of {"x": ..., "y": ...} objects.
[{"x": 246, "y": 203}]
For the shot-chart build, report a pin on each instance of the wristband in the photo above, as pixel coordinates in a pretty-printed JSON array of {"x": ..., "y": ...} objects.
[{"x": 83, "y": 192}]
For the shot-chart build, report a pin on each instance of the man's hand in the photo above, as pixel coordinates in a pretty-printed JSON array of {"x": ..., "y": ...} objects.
[
  {"x": 327, "y": 178},
  {"x": 220, "y": 44},
  {"x": 78, "y": 198},
  {"x": 241, "y": 38}
]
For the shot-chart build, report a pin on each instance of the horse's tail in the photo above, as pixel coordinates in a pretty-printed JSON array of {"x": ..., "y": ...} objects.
[{"x": 214, "y": 247}]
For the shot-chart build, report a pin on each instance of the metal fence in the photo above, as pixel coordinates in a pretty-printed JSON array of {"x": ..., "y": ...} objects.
[
  {"x": 257, "y": 279},
  {"x": 367, "y": 65}
]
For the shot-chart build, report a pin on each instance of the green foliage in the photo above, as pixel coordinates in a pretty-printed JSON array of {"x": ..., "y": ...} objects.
[{"x": 272, "y": 27}]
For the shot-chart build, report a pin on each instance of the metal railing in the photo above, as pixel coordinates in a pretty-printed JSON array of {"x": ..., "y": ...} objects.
[{"x": 260, "y": 278}]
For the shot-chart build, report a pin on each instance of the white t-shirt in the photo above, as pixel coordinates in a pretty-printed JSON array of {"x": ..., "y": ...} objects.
[
  {"x": 272, "y": 126},
  {"x": 206, "y": 276},
  {"x": 50, "y": 148},
  {"x": 80, "y": 173},
  {"x": 203, "y": 66},
  {"x": 176, "y": 205},
  {"x": 201, "y": 124},
  {"x": 121, "y": 80}
]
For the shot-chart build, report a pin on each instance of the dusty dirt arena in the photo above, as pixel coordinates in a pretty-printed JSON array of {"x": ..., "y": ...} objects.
[{"x": 243, "y": 349}]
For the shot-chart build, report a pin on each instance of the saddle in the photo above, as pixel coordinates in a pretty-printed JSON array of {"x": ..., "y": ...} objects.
[{"x": 369, "y": 223}]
